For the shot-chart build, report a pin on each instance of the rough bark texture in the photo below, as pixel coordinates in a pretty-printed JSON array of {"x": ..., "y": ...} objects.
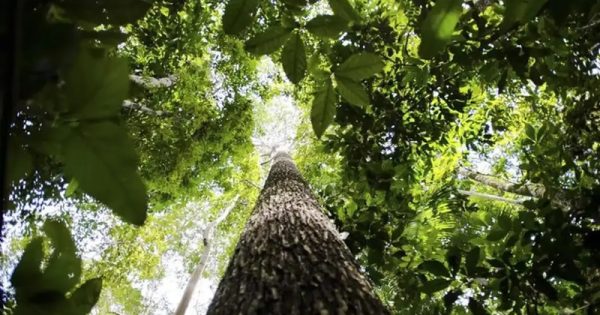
[{"x": 290, "y": 259}]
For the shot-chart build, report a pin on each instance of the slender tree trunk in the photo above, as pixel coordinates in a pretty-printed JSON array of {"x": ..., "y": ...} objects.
[
  {"x": 153, "y": 83},
  {"x": 491, "y": 197},
  {"x": 127, "y": 104},
  {"x": 290, "y": 259},
  {"x": 207, "y": 239}
]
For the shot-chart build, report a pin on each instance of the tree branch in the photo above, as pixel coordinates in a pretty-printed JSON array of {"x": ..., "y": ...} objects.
[{"x": 206, "y": 238}]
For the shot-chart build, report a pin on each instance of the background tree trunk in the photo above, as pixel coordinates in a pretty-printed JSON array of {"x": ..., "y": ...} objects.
[{"x": 290, "y": 259}]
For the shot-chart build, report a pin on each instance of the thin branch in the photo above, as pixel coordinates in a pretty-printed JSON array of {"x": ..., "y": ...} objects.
[
  {"x": 491, "y": 197},
  {"x": 207, "y": 239}
]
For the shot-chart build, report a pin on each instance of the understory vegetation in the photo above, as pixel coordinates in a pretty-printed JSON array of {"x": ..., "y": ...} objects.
[{"x": 454, "y": 143}]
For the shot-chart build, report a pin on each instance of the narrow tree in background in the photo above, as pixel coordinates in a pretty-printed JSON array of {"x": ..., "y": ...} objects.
[{"x": 290, "y": 258}]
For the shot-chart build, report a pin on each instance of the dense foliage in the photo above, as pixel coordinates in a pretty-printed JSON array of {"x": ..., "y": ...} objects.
[{"x": 457, "y": 142}]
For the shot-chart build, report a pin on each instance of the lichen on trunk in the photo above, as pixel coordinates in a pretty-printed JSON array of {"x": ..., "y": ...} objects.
[{"x": 290, "y": 258}]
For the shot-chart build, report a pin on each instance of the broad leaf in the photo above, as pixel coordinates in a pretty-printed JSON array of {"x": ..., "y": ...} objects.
[
  {"x": 520, "y": 11},
  {"x": 438, "y": 27},
  {"x": 28, "y": 268},
  {"x": 360, "y": 66},
  {"x": 85, "y": 297},
  {"x": 353, "y": 92},
  {"x": 323, "y": 108},
  {"x": 476, "y": 308},
  {"x": 435, "y": 267},
  {"x": 344, "y": 9},
  {"x": 472, "y": 259},
  {"x": 327, "y": 26},
  {"x": 435, "y": 285},
  {"x": 293, "y": 58},
  {"x": 268, "y": 41},
  {"x": 238, "y": 15},
  {"x": 95, "y": 87},
  {"x": 63, "y": 269},
  {"x": 102, "y": 159},
  {"x": 496, "y": 235}
]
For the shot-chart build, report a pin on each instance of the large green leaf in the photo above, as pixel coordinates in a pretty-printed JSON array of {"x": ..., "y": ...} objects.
[
  {"x": 293, "y": 58},
  {"x": 323, "y": 108},
  {"x": 476, "y": 308},
  {"x": 85, "y": 297},
  {"x": 96, "y": 86},
  {"x": 360, "y": 66},
  {"x": 520, "y": 11},
  {"x": 63, "y": 269},
  {"x": 268, "y": 41},
  {"x": 435, "y": 285},
  {"x": 353, "y": 92},
  {"x": 437, "y": 29},
  {"x": 102, "y": 159},
  {"x": 327, "y": 26},
  {"x": 435, "y": 267},
  {"x": 496, "y": 235},
  {"x": 238, "y": 15},
  {"x": 472, "y": 259},
  {"x": 344, "y": 9},
  {"x": 28, "y": 268}
]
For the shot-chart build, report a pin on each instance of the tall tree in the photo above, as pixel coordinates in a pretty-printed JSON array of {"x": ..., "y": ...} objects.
[{"x": 291, "y": 259}]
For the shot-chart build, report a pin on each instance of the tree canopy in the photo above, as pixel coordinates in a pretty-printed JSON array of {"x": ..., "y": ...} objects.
[{"x": 455, "y": 142}]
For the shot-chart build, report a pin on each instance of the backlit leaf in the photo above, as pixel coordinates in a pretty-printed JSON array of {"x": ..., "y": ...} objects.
[
  {"x": 360, "y": 66},
  {"x": 293, "y": 59},
  {"x": 520, "y": 11},
  {"x": 238, "y": 15},
  {"x": 353, "y": 92},
  {"x": 438, "y": 27},
  {"x": 102, "y": 159},
  {"x": 323, "y": 108},
  {"x": 435, "y": 285},
  {"x": 327, "y": 26},
  {"x": 268, "y": 41},
  {"x": 85, "y": 297},
  {"x": 344, "y": 9}
]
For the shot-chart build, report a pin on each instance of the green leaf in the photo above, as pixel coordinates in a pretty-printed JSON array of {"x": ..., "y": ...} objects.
[
  {"x": 472, "y": 259},
  {"x": 496, "y": 235},
  {"x": 293, "y": 58},
  {"x": 435, "y": 267},
  {"x": 545, "y": 287},
  {"x": 520, "y": 11},
  {"x": 323, "y": 108},
  {"x": 438, "y": 26},
  {"x": 344, "y": 9},
  {"x": 102, "y": 159},
  {"x": 360, "y": 66},
  {"x": 238, "y": 15},
  {"x": 435, "y": 285},
  {"x": 95, "y": 87},
  {"x": 85, "y": 297},
  {"x": 476, "y": 308},
  {"x": 327, "y": 26},
  {"x": 116, "y": 12},
  {"x": 352, "y": 92},
  {"x": 268, "y": 41},
  {"x": 28, "y": 268},
  {"x": 64, "y": 267},
  {"x": 505, "y": 222}
]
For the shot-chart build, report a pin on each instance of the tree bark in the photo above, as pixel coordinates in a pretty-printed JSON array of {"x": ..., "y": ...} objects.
[
  {"x": 153, "y": 83},
  {"x": 290, "y": 259},
  {"x": 207, "y": 239},
  {"x": 491, "y": 197}
]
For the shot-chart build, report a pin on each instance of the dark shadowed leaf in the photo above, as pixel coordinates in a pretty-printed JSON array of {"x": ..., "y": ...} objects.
[
  {"x": 323, "y": 108},
  {"x": 327, "y": 26},
  {"x": 519, "y": 11},
  {"x": 360, "y": 66},
  {"x": 438, "y": 27},
  {"x": 496, "y": 235},
  {"x": 435, "y": 267},
  {"x": 435, "y": 285},
  {"x": 63, "y": 269},
  {"x": 344, "y": 9},
  {"x": 545, "y": 287},
  {"x": 353, "y": 92},
  {"x": 472, "y": 259},
  {"x": 85, "y": 297},
  {"x": 476, "y": 308},
  {"x": 268, "y": 41},
  {"x": 28, "y": 268},
  {"x": 238, "y": 15},
  {"x": 293, "y": 58},
  {"x": 115, "y": 12},
  {"x": 96, "y": 86},
  {"x": 102, "y": 159}
]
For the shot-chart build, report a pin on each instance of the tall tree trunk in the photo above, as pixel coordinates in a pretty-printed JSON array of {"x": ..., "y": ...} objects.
[{"x": 290, "y": 259}]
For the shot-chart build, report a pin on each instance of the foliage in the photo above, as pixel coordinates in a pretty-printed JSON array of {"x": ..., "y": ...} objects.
[{"x": 409, "y": 101}]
